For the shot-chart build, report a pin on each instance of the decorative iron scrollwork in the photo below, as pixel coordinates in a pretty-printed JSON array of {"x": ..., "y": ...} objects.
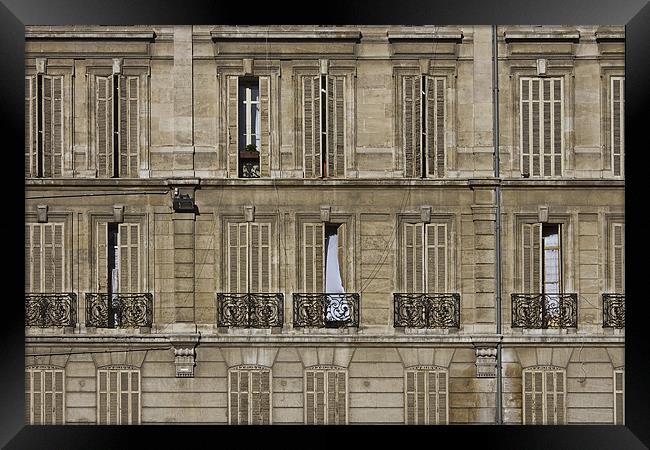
[
  {"x": 613, "y": 310},
  {"x": 250, "y": 310},
  {"x": 418, "y": 310},
  {"x": 542, "y": 311},
  {"x": 326, "y": 310},
  {"x": 51, "y": 309},
  {"x": 119, "y": 310}
]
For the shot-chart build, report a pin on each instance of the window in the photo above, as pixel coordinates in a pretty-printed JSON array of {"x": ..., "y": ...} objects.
[
  {"x": 323, "y": 126},
  {"x": 249, "y": 395},
  {"x": 423, "y": 125},
  {"x": 43, "y": 126},
  {"x": 619, "y": 397},
  {"x": 118, "y": 265},
  {"x": 542, "y": 258},
  {"x": 44, "y": 396},
  {"x": 324, "y": 258},
  {"x": 427, "y": 399},
  {"x": 117, "y": 125},
  {"x": 249, "y": 257},
  {"x": 118, "y": 396},
  {"x": 325, "y": 396},
  {"x": 617, "y": 128},
  {"x": 45, "y": 257},
  {"x": 426, "y": 257},
  {"x": 248, "y": 124},
  {"x": 542, "y": 119},
  {"x": 544, "y": 396},
  {"x": 617, "y": 258}
]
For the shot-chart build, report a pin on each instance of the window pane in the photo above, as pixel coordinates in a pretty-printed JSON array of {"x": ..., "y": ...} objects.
[{"x": 551, "y": 243}]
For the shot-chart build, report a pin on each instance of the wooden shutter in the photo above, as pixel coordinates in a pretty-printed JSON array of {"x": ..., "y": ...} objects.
[
  {"x": 237, "y": 257},
  {"x": 265, "y": 125},
  {"x": 118, "y": 401},
  {"x": 313, "y": 265},
  {"x": 538, "y": 397},
  {"x": 104, "y": 125},
  {"x": 31, "y": 128},
  {"x": 45, "y": 256},
  {"x": 44, "y": 396},
  {"x": 544, "y": 396},
  {"x": 128, "y": 238},
  {"x": 426, "y": 392},
  {"x": 325, "y": 396},
  {"x": 531, "y": 257},
  {"x": 617, "y": 258},
  {"x": 560, "y": 395},
  {"x": 250, "y": 396},
  {"x": 128, "y": 126},
  {"x": 232, "y": 138},
  {"x": 101, "y": 256},
  {"x": 311, "y": 126},
  {"x": 435, "y": 125},
  {"x": 557, "y": 125},
  {"x": 525, "y": 124},
  {"x": 436, "y": 258},
  {"x": 619, "y": 401},
  {"x": 335, "y": 126},
  {"x": 56, "y": 283},
  {"x": 411, "y": 123},
  {"x": 48, "y": 385},
  {"x": 617, "y": 118},
  {"x": 414, "y": 257},
  {"x": 260, "y": 397},
  {"x": 343, "y": 254},
  {"x": 260, "y": 257},
  {"x": 28, "y": 397}
]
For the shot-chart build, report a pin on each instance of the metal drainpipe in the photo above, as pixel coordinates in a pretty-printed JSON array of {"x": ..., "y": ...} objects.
[{"x": 497, "y": 271}]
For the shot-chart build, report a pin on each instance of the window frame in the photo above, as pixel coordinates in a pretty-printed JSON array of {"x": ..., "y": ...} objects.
[
  {"x": 248, "y": 369},
  {"x": 119, "y": 369},
  {"x": 41, "y": 369},
  {"x": 326, "y": 370},
  {"x": 619, "y": 370},
  {"x": 426, "y": 369},
  {"x": 544, "y": 370}
]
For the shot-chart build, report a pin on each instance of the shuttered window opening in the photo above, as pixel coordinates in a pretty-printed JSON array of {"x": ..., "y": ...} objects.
[
  {"x": 619, "y": 397},
  {"x": 44, "y": 257},
  {"x": 118, "y": 396},
  {"x": 544, "y": 396},
  {"x": 426, "y": 257},
  {"x": 315, "y": 237},
  {"x": 117, "y": 255},
  {"x": 249, "y": 257},
  {"x": 43, "y": 126},
  {"x": 427, "y": 396},
  {"x": 617, "y": 258},
  {"x": 423, "y": 126},
  {"x": 617, "y": 120},
  {"x": 541, "y": 120},
  {"x": 326, "y": 396},
  {"x": 44, "y": 396},
  {"x": 117, "y": 126},
  {"x": 541, "y": 258},
  {"x": 323, "y": 125},
  {"x": 249, "y": 395}
]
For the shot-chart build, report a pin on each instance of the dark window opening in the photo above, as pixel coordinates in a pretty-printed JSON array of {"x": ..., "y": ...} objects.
[
  {"x": 248, "y": 126},
  {"x": 113, "y": 273}
]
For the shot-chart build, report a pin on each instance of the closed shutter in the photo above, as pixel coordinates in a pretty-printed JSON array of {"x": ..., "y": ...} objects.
[
  {"x": 57, "y": 284},
  {"x": 618, "y": 258},
  {"x": 118, "y": 401},
  {"x": 414, "y": 257},
  {"x": 237, "y": 257},
  {"x": 435, "y": 126},
  {"x": 619, "y": 402},
  {"x": 326, "y": 396},
  {"x": 531, "y": 257},
  {"x": 436, "y": 257},
  {"x": 335, "y": 126},
  {"x": 260, "y": 397},
  {"x": 560, "y": 394},
  {"x": 250, "y": 396},
  {"x": 44, "y": 396},
  {"x": 104, "y": 126},
  {"x": 343, "y": 253},
  {"x": 101, "y": 256},
  {"x": 232, "y": 137},
  {"x": 28, "y": 397},
  {"x": 525, "y": 124},
  {"x": 544, "y": 397},
  {"x": 411, "y": 126},
  {"x": 128, "y": 126},
  {"x": 265, "y": 126},
  {"x": 527, "y": 400},
  {"x": 426, "y": 396},
  {"x": 311, "y": 126},
  {"x": 45, "y": 254},
  {"x": 260, "y": 257},
  {"x": 312, "y": 257},
  {"x": 617, "y": 117},
  {"x": 129, "y": 257},
  {"x": 31, "y": 127},
  {"x": 557, "y": 124},
  {"x": 29, "y": 258}
]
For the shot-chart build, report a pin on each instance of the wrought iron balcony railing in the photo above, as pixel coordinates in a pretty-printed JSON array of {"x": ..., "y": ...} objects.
[
  {"x": 51, "y": 309},
  {"x": 326, "y": 310},
  {"x": 251, "y": 310},
  {"x": 542, "y": 311},
  {"x": 420, "y": 310},
  {"x": 119, "y": 310},
  {"x": 613, "y": 310}
]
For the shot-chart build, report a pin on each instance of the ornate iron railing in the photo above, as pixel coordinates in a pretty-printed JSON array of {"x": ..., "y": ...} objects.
[
  {"x": 613, "y": 310},
  {"x": 543, "y": 311},
  {"x": 51, "y": 309},
  {"x": 326, "y": 310},
  {"x": 251, "y": 310},
  {"x": 119, "y": 310},
  {"x": 421, "y": 310}
]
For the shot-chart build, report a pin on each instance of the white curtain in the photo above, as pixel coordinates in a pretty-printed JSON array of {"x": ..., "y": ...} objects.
[{"x": 337, "y": 308}]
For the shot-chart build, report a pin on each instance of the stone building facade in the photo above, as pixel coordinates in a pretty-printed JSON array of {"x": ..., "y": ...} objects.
[{"x": 194, "y": 192}]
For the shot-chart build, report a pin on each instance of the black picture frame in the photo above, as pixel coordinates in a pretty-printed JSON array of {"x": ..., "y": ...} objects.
[{"x": 634, "y": 14}]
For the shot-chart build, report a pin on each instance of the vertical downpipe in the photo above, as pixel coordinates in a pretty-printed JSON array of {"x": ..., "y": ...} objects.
[{"x": 497, "y": 271}]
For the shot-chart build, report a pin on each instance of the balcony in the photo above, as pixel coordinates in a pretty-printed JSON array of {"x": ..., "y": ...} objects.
[
  {"x": 51, "y": 309},
  {"x": 426, "y": 310},
  {"x": 543, "y": 311},
  {"x": 259, "y": 310},
  {"x": 119, "y": 310},
  {"x": 326, "y": 310},
  {"x": 613, "y": 310}
]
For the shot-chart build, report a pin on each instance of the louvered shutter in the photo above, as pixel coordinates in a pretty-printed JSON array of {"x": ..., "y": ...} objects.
[
  {"x": 31, "y": 128},
  {"x": 436, "y": 258},
  {"x": 59, "y": 398},
  {"x": 260, "y": 257},
  {"x": 311, "y": 126},
  {"x": 48, "y": 396},
  {"x": 48, "y": 122},
  {"x": 331, "y": 397},
  {"x": 313, "y": 257},
  {"x": 411, "y": 125},
  {"x": 59, "y": 255},
  {"x": 233, "y": 387},
  {"x": 237, "y": 257},
  {"x": 343, "y": 253},
  {"x": 53, "y": 257},
  {"x": 618, "y": 258},
  {"x": 414, "y": 257},
  {"x": 342, "y": 389},
  {"x": 325, "y": 396},
  {"x": 559, "y": 397},
  {"x": 443, "y": 399},
  {"x": 421, "y": 406},
  {"x": 310, "y": 398},
  {"x": 528, "y": 398},
  {"x": 104, "y": 126},
  {"x": 617, "y": 108},
  {"x": 37, "y": 258},
  {"x": 549, "y": 410},
  {"x": 128, "y": 126},
  {"x": 135, "y": 397},
  {"x": 410, "y": 398},
  {"x": 426, "y": 396},
  {"x": 29, "y": 413},
  {"x": 535, "y": 123},
  {"x": 37, "y": 397},
  {"x": 335, "y": 126},
  {"x": 538, "y": 398},
  {"x": 532, "y": 257},
  {"x": 29, "y": 260},
  {"x": 557, "y": 124},
  {"x": 525, "y": 125},
  {"x": 546, "y": 126},
  {"x": 265, "y": 125},
  {"x": 232, "y": 138},
  {"x": 124, "y": 398},
  {"x": 435, "y": 125},
  {"x": 619, "y": 405},
  {"x": 102, "y": 400},
  {"x": 129, "y": 257},
  {"x": 101, "y": 256}
]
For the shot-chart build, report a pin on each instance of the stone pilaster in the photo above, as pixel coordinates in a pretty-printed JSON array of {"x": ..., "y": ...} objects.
[{"x": 183, "y": 164}]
